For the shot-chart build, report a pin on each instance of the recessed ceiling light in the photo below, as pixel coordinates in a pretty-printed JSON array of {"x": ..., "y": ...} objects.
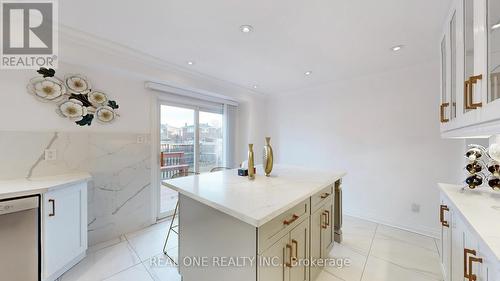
[
  {"x": 307, "y": 73},
  {"x": 255, "y": 86},
  {"x": 246, "y": 28},
  {"x": 397, "y": 48},
  {"x": 495, "y": 26},
  {"x": 190, "y": 62}
]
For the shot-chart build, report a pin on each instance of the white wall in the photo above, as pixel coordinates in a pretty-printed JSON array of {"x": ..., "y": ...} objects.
[
  {"x": 382, "y": 129},
  {"x": 120, "y": 198}
]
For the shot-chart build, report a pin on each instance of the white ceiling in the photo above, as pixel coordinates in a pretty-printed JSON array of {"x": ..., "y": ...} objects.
[{"x": 332, "y": 38}]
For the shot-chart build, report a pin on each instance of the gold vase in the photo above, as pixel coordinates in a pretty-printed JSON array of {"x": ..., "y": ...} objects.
[
  {"x": 268, "y": 157},
  {"x": 251, "y": 162}
]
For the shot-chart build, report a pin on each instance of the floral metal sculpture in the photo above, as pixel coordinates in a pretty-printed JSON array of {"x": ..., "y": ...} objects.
[{"x": 74, "y": 96}]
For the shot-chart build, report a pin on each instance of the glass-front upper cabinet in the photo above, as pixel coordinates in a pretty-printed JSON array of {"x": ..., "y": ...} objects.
[
  {"x": 443, "y": 112},
  {"x": 472, "y": 97},
  {"x": 493, "y": 25},
  {"x": 453, "y": 66}
]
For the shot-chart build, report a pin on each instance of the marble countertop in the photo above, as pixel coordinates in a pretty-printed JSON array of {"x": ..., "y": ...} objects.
[
  {"x": 254, "y": 201},
  {"x": 39, "y": 185},
  {"x": 480, "y": 209}
]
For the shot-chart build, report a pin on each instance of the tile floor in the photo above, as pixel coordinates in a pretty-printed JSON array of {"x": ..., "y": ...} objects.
[{"x": 376, "y": 253}]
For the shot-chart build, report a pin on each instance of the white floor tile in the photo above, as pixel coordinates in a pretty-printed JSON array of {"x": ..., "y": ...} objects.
[
  {"x": 161, "y": 268},
  {"x": 135, "y": 273},
  {"x": 391, "y": 233},
  {"x": 358, "y": 234},
  {"x": 325, "y": 276},
  {"x": 407, "y": 250},
  {"x": 149, "y": 242},
  {"x": 103, "y": 263},
  {"x": 380, "y": 270},
  {"x": 353, "y": 270}
]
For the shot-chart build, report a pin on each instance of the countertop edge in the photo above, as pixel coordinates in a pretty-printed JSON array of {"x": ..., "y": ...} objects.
[
  {"x": 245, "y": 218},
  {"x": 443, "y": 188},
  {"x": 45, "y": 187}
]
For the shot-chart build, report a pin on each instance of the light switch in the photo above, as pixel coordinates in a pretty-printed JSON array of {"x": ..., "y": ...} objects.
[{"x": 50, "y": 154}]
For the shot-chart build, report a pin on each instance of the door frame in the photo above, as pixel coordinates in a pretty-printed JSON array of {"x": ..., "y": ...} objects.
[{"x": 160, "y": 99}]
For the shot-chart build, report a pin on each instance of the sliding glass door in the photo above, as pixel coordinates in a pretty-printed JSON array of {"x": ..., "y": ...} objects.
[{"x": 191, "y": 142}]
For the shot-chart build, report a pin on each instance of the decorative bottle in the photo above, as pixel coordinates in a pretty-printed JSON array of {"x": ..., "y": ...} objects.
[
  {"x": 251, "y": 162},
  {"x": 268, "y": 157}
]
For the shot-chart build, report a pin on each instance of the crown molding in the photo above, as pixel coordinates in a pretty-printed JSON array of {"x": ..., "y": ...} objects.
[{"x": 89, "y": 41}]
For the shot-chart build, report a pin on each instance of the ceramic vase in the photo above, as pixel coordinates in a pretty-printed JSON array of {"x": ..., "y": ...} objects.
[
  {"x": 268, "y": 157},
  {"x": 251, "y": 162}
]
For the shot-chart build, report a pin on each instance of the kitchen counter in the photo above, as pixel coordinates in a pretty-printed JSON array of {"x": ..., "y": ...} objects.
[
  {"x": 480, "y": 210},
  {"x": 39, "y": 185},
  {"x": 222, "y": 214},
  {"x": 258, "y": 201}
]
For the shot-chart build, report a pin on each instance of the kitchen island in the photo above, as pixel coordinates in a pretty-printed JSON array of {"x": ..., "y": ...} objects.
[{"x": 267, "y": 229}]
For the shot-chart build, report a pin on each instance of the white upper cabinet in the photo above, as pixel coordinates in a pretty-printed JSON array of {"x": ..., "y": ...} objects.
[{"x": 470, "y": 69}]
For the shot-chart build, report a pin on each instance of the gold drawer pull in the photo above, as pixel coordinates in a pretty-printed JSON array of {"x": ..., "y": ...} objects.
[
  {"x": 468, "y": 261},
  {"x": 295, "y": 243},
  {"x": 324, "y": 224},
  {"x": 290, "y": 221},
  {"x": 325, "y": 195},
  {"x": 441, "y": 216},
  {"x": 441, "y": 112},
  {"x": 289, "y": 249}
]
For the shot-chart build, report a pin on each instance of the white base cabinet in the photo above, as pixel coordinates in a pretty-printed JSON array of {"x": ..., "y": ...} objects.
[
  {"x": 463, "y": 255},
  {"x": 64, "y": 229}
]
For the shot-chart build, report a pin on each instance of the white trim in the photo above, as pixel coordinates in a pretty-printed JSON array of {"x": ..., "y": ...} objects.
[
  {"x": 190, "y": 93},
  {"x": 91, "y": 41}
]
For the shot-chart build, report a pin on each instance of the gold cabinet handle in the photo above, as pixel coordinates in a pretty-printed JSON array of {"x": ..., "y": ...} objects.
[
  {"x": 295, "y": 243},
  {"x": 324, "y": 224},
  {"x": 325, "y": 195},
  {"x": 441, "y": 215},
  {"x": 469, "y": 91},
  {"x": 290, "y": 221},
  {"x": 468, "y": 264},
  {"x": 53, "y": 202},
  {"x": 441, "y": 112},
  {"x": 289, "y": 249},
  {"x": 327, "y": 218}
]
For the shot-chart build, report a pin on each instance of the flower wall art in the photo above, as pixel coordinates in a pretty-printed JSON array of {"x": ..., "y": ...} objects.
[{"x": 74, "y": 97}]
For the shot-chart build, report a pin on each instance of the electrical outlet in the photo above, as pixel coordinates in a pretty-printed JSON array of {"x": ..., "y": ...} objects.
[
  {"x": 140, "y": 139},
  {"x": 415, "y": 208},
  {"x": 50, "y": 154}
]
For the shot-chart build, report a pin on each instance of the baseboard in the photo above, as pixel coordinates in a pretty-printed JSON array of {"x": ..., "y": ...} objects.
[{"x": 433, "y": 233}]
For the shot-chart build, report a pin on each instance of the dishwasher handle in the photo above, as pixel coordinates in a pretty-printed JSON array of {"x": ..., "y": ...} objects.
[{"x": 53, "y": 202}]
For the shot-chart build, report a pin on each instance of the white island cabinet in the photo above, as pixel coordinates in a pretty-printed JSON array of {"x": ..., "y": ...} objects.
[
  {"x": 470, "y": 234},
  {"x": 267, "y": 229},
  {"x": 63, "y": 217}
]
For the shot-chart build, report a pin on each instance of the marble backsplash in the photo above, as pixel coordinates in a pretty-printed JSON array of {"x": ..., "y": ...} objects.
[{"x": 119, "y": 198}]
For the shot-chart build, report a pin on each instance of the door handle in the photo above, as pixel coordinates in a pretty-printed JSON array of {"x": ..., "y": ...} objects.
[
  {"x": 441, "y": 216},
  {"x": 324, "y": 224},
  {"x": 468, "y": 264},
  {"x": 441, "y": 112},
  {"x": 289, "y": 249},
  {"x": 53, "y": 202},
  {"x": 295, "y": 243},
  {"x": 469, "y": 91}
]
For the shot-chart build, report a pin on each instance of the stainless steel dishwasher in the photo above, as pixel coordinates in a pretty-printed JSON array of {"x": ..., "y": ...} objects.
[{"x": 20, "y": 239}]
